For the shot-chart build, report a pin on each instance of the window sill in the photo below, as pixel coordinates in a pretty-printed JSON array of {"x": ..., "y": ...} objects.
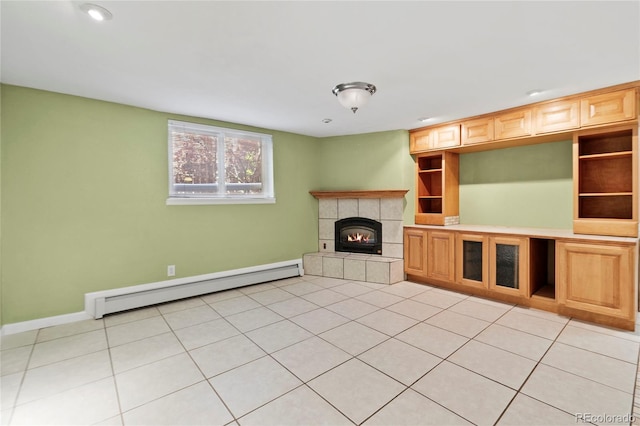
[{"x": 186, "y": 201}]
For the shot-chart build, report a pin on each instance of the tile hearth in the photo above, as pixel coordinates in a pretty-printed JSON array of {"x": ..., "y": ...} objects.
[{"x": 352, "y": 266}]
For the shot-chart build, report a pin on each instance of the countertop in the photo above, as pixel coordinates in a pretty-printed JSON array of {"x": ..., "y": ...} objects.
[{"x": 549, "y": 233}]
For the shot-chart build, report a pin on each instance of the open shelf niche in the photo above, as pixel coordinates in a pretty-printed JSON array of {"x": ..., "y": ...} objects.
[
  {"x": 437, "y": 189},
  {"x": 606, "y": 181},
  {"x": 542, "y": 268}
]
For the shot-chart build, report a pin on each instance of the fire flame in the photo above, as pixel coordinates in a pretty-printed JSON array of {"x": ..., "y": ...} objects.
[{"x": 359, "y": 238}]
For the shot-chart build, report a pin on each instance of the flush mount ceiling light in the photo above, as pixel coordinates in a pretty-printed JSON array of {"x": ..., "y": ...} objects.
[
  {"x": 98, "y": 13},
  {"x": 354, "y": 95}
]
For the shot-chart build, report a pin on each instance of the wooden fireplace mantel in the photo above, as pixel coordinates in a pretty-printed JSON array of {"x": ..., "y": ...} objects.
[{"x": 384, "y": 193}]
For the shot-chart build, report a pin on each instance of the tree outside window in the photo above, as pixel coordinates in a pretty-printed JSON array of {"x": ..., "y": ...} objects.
[{"x": 214, "y": 163}]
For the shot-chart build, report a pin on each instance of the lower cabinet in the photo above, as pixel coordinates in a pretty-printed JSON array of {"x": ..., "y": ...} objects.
[
  {"x": 597, "y": 278},
  {"x": 441, "y": 255},
  {"x": 589, "y": 279},
  {"x": 415, "y": 259}
]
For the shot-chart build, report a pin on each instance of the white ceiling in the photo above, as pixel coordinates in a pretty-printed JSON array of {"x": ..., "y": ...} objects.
[{"x": 273, "y": 64}]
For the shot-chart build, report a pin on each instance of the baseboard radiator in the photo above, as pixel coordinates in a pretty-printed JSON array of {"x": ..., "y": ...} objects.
[{"x": 100, "y": 303}]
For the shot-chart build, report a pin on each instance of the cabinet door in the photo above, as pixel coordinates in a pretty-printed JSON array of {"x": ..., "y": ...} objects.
[
  {"x": 477, "y": 131},
  {"x": 434, "y": 138},
  {"x": 472, "y": 260},
  {"x": 414, "y": 252},
  {"x": 441, "y": 255},
  {"x": 596, "y": 278},
  {"x": 446, "y": 136},
  {"x": 419, "y": 141},
  {"x": 508, "y": 265},
  {"x": 513, "y": 124},
  {"x": 557, "y": 116},
  {"x": 608, "y": 108}
]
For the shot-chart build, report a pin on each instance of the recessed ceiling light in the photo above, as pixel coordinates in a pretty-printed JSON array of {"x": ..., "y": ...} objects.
[
  {"x": 98, "y": 13},
  {"x": 534, "y": 92},
  {"x": 425, "y": 119},
  {"x": 327, "y": 121}
]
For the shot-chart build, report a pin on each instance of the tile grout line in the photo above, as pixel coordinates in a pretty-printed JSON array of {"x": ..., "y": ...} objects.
[
  {"x": 113, "y": 373},
  {"x": 22, "y": 379},
  {"x": 524, "y": 382}
]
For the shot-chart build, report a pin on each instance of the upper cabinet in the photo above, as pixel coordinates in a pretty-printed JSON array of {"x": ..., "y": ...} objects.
[
  {"x": 477, "y": 131},
  {"x": 514, "y": 124},
  {"x": 535, "y": 123},
  {"x": 557, "y": 116},
  {"x": 435, "y": 138},
  {"x": 608, "y": 108}
]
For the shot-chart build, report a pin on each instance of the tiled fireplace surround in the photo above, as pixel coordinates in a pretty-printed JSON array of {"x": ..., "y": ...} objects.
[{"x": 384, "y": 206}]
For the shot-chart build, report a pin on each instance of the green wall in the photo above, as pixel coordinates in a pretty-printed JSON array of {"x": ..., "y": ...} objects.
[
  {"x": 369, "y": 161},
  {"x": 529, "y": 186},
  {"x": 84, "y": 185}
]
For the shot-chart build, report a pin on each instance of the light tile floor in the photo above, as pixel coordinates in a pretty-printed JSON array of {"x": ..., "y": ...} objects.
[{"x": 313, "y": 350}]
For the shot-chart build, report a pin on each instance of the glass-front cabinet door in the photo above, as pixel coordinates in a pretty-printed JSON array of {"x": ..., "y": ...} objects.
[
  {"x": 508, "y": 265},
  {"x": 472, "y": 260}
]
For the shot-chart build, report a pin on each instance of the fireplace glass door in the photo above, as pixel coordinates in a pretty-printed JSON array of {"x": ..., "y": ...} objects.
[{"x": 358, "y": 235}]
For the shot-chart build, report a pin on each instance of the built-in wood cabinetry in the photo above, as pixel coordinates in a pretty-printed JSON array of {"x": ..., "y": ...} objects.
[
  {"x": 437, "y": 188},
  {"x": 604, "y": 128},
  {"x": 589, "y": 273},
  {"x": 532, "y": 123},
  {"x": 591, "y": 278}
]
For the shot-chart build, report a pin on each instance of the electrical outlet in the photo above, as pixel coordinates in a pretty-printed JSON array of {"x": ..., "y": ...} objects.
[{"x": 171, "y": 270}]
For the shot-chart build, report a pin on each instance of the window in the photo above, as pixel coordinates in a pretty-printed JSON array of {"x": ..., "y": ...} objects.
[{"x": 214, "y": 165}]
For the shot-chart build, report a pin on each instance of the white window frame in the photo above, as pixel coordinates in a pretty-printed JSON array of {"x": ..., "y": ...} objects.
[{"x": 266, "y": 197}]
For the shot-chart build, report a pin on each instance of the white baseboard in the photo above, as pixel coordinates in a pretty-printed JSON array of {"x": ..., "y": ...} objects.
[
  {"x": 36, "y": 324},
  {"x": 97, "y": 303}
]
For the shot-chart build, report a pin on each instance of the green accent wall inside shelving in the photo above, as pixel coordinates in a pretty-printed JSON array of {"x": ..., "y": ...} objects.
[{"x": 528, "y": 186}]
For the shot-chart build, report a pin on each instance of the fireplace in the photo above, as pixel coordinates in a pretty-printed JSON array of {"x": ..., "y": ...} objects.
[{"x": 358, "y": 235}]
